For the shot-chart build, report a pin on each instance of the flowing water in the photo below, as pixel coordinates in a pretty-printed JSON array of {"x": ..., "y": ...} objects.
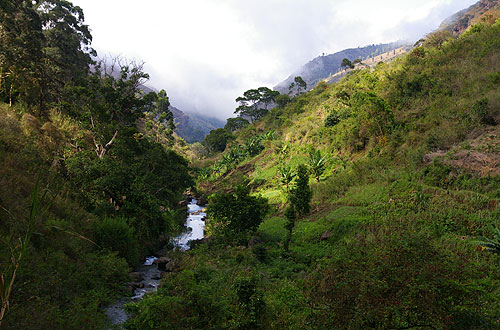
[{"x": 195, "y": 225}]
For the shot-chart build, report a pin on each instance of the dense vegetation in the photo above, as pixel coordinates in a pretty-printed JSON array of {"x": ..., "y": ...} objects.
[
  {"x": 370, "y": 203},
  {"x": 405, "y": 187},
  {"x": 88, "y": 181}
]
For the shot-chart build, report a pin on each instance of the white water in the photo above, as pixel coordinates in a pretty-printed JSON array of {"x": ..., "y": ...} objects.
[
  {"x": 195, "y": 230},
  {"x": 195, "y": 226}
]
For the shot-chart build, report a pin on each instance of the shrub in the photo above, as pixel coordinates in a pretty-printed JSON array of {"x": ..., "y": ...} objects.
[
  {"x": 116, "y": 235},
  {"x": 235, "y": 213}
]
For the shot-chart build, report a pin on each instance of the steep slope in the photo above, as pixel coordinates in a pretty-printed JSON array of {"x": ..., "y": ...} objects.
[
  {"x": 407, "y": 186},
  {"x": 484, "y": 9},
  {"x": 194, "y": 127},
  {"x": 324, "y": 66}
]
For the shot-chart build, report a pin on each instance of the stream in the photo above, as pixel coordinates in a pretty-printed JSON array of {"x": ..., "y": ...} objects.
[{"x": 151, "y": 275}]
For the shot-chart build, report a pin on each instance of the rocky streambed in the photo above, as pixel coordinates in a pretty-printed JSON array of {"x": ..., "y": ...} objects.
[{"x": 147, "y": 277}]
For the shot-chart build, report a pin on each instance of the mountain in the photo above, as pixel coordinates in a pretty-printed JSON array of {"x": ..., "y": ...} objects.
[
  {"x": 324, "y": 66},
  {"x": 483, "y": 10},
  {"x": 194, "y": 127}
]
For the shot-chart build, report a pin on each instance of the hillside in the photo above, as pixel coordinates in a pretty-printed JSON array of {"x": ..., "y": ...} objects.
[
  {"x": 403, "y": 167},
  {"x": 324, "y": 66},
  {"x": 372, "y": 202},
  {"x": 482, "y": 10},
  {"x": 194, "y": 127}
]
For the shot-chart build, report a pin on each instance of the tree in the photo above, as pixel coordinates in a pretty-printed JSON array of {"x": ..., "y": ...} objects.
[
  {"x": 346, "y": 63},
  {"x": 107, "y": 105},
  {"x": 300, "y": 84},
  {"x": 299, "y": 202},
  {"x": 21, "y": 43},
  {"x": 234, "y": 124},
  {"x": 67, "y": 44},
  {"x": 217, "y": 139},
  {"x": 282, "y": 100},
  {"x": 267, "y": 96},
  {"x": 236, "y": 213},
  {"x": 160, "y": 120},
  {"x": 251, "y": 101}
]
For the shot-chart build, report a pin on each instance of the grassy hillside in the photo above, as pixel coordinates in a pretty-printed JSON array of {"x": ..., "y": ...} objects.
[{"x": 408, "y": 187}]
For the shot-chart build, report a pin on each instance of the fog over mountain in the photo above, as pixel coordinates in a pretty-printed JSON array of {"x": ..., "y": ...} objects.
[{"x": 207, "y": 53}]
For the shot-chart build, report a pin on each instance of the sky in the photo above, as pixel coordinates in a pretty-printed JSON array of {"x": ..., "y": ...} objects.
[{"x": 206, "y": 53}]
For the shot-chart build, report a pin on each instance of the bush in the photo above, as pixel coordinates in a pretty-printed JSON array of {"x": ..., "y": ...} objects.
[
  {"x": 235, "y": 213},
  {"x": 116, "y": 235}
]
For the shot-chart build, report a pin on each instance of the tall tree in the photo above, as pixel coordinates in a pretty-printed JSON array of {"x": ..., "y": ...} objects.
[
  {"x": 299, "y": 198},
  {"x": 251, "y": 101},
  {"x": 160, "y": 120},
  {"x": 300, "y": 83},
  {"x": 234, "y": 124},
  {"x": 21, "y": 42}
]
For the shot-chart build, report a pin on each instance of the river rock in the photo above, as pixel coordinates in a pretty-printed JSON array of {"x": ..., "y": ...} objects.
[
  {"x": 201, "y": 201},
  {"x": 136, "y": 285},
  {"x": 136, "y": 276},
  {"x": 162, "y": 253},
  {"x": 195, "y": 242},
  {"x": 182, "y": 203},
  {"x": 164, "y": 263}
]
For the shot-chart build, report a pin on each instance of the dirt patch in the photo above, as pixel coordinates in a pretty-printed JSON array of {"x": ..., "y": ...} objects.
[{"x": 480, "y": 154}]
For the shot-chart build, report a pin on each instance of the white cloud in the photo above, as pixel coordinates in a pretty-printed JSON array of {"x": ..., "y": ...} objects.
[{"x": 205, "y": 53}]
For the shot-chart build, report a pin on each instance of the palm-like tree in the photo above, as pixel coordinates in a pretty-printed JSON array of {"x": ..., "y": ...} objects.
[{"x": 317, "y": 163}]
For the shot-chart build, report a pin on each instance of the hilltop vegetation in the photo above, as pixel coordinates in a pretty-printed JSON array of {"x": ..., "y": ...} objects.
[{"x": 391, "y": 240}]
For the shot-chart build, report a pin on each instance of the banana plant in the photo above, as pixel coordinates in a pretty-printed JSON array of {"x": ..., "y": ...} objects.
[
  {"x": 490, "y": 245},
  {"x": 317, "y": 163},
  {"x": 286, "y": 176}
]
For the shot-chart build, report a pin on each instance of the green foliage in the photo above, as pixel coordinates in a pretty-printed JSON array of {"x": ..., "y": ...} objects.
[
  {"x": 234, "y": 124},
  {"x": 346, "y": 63},
  {"x": 116, "y": 235},
  {"x": 282, "y": 100},
  {"x": 301, "y": 194},
  {"x": 286, "y": 176},
  {"x": 480, "y": 109},
  {"x": 491, "y": 244},
  {"x": 397, "y": 280},
  {"x": 332, "y": 119},
  {"x": 300, "y": 198},
  {"x": 251, "y": 101},
  {"x": 299, "y": 84},
  {"x": 234, "y": 214},
  {"x": 251, "y": 305},
  {"x": 160, "y": 120},
  {"x": 217, "y": 140},
  {"x": 317, "y": 163}
]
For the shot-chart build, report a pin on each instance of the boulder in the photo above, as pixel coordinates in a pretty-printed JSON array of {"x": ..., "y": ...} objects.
[
  {"x": 165, "y": 264},
  {"x": 201, "y": 201},
  {"x": 136, "y": 285},
  {"x": 161, "y": 253}
]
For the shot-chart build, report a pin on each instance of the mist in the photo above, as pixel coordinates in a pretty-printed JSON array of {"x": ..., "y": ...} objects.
[{"x": 206, "y": 53}]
